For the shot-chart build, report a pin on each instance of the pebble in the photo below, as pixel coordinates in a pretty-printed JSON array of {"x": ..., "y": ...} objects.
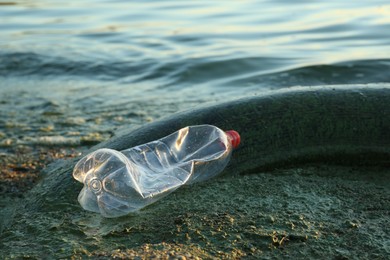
[
  {"x": 6, "y": 142},
  {"x": 48, "y": 128}
]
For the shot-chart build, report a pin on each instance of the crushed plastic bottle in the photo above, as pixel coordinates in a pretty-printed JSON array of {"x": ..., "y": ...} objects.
[{"x": 117, "y": 183}]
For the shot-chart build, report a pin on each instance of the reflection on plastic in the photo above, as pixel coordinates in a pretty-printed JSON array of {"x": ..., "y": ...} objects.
[{"x": 117, "y": 183}]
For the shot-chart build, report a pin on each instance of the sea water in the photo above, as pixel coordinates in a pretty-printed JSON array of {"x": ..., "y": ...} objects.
[{"x": 76, "y": 69}]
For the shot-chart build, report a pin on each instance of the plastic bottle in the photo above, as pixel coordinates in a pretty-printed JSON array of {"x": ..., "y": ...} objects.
[{"x": 117, "y": 183}]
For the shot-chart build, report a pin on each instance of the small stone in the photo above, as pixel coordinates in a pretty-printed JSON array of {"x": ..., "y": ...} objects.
[
  {"x": 6, "y": 142},
  {"x": 352, "y": 224},
  {"x": 48, "y": 128},
  {"x": 230, "y": 219}
]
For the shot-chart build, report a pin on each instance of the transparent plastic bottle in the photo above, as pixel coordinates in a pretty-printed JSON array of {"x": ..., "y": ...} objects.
[{"x": 117, "y": 183}]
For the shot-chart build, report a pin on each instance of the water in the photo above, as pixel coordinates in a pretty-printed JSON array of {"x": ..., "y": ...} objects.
[{"x": 82, "y": 69}]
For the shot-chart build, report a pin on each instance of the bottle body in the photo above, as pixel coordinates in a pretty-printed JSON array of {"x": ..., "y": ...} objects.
[{"x": 117, "y": 183}]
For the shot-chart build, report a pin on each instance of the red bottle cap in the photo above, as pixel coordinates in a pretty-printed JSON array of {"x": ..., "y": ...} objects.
[{"x": 234, "y": 138}]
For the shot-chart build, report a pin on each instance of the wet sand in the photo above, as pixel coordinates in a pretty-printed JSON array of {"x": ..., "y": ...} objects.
[
  {"x": 20, "y": 166},
  {"x": 313, "y": 211}
]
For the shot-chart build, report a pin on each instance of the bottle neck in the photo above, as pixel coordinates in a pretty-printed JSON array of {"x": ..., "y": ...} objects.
[{"x": 234, "y": 138}]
